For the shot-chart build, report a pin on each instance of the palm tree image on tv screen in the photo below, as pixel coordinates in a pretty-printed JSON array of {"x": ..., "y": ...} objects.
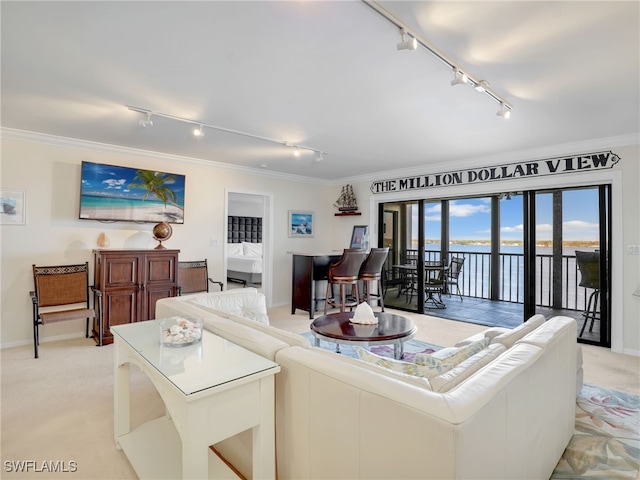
[{"x": 114, "y": 193}]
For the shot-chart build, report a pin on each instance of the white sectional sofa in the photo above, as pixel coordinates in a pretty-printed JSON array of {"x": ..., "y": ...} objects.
[{"x": 507, "y": 412}]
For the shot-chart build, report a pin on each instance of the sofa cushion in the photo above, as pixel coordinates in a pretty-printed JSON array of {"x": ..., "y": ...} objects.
[
  {"x": 451, "y": 356},
  {"x": 509, "y": 338},
  {"x": 451, "y": 378},
  {"x": 426, "y": 371},
  {"x": 244, "y": 303},
  {"x": 292, "y": 339}
]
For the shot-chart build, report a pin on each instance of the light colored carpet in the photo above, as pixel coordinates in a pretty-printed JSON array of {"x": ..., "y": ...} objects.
[{"x": 59, "y": 408}]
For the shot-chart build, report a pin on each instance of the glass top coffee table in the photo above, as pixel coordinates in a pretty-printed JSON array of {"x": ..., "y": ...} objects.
[{"x": 390, "y": 329}]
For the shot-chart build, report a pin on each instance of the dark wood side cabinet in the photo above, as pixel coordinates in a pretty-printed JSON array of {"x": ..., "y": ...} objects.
[
  {"x": 131, "y": 281},
  {"x": 308, "y": 268}
]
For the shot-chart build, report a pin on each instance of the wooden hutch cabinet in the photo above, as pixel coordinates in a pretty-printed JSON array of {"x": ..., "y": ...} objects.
[{"x": 130, "y": 282}]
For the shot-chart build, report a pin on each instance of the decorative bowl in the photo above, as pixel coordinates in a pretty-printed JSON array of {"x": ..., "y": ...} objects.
[{"x": 180, "y": 331}]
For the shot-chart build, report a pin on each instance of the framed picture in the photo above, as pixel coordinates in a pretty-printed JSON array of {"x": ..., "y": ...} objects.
[
  {"x": 300, "y": 224},
  {"x": 13, "y": 211},
  {"x": 360, "y": 237}
]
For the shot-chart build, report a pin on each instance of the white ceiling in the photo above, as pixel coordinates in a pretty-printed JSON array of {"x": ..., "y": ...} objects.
[{"x": 322, "y": 74}]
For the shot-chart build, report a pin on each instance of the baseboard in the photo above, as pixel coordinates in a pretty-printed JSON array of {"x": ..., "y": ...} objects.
[{"x": 54, "y": 338}]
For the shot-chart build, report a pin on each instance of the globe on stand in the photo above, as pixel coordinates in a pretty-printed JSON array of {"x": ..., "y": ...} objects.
[{"x": 162, "y": 232}]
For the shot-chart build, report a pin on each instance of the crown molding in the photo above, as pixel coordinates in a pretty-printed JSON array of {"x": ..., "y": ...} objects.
[
  {"x": 56, "y": 141},
  {"x": 605, "y": 143}
]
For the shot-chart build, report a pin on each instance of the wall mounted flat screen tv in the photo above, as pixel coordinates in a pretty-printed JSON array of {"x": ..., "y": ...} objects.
[{"x": 113, "y": 193}]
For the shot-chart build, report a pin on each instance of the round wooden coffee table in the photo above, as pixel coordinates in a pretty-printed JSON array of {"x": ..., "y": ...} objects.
[{"x": 390, "y": 329}]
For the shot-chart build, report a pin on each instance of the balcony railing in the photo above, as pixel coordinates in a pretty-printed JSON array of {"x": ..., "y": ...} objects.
[{"x": 475, "y": 279}]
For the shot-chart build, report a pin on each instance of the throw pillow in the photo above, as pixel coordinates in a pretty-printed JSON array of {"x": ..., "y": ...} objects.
[
  {"x": 451, "y": 356},
  {"x": 400, "y": 366},
  {"x": 234, "y": 250}
]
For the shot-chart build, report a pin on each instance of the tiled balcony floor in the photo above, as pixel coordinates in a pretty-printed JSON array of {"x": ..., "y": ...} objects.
[{"x": 486, "y": 312}]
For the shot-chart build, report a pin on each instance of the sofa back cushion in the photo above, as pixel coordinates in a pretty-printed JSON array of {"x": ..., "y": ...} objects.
[
  {"x": 246, "y": 302},
  {"x": 509, "y": 338}
]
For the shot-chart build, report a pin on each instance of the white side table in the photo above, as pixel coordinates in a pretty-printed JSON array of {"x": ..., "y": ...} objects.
[{"x": 211, "y": 390}]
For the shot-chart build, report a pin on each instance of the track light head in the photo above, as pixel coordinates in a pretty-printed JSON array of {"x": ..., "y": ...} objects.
[
  {"x": 296, "y": 152},
  {"x": 481, "y": 86},
  {"x": 319, "y": 157},
  {"x": 459, "y": 77},
  {"x": 198, "y": 131},
  {"x": 410, "y": 43},
  {"x": 504, "y": 112},
  {"x": 146, "y": 122}
]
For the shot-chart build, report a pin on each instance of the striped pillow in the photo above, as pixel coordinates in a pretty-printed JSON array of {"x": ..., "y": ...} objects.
[
  {"x": 451, "y": 356},
  {"x": 400, "y": 366}
]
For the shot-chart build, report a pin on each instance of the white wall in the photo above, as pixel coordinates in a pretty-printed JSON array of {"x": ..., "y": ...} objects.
[
  {"x": 49, "y": 172},
  {"x": 50, "y": 175}
]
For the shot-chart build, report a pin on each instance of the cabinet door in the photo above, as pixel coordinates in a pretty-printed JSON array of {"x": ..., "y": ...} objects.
[
  {"x": 153, "y": 293},
  {"x": 121, "y": 284},
  {"x": 161, "y": 279}
]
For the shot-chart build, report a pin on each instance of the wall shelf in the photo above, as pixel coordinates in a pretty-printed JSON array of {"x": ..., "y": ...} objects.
[{"x": 347, "y": 214}]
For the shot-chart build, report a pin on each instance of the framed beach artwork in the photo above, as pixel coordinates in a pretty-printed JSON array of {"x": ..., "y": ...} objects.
[
  {"x": 114, "y": 193},
  {"x": 300, "y": 224},
  {"x": 13, "y": 211}
]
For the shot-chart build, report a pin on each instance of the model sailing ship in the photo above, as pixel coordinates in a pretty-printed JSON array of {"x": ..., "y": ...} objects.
[{"x": 347, "y": 200}]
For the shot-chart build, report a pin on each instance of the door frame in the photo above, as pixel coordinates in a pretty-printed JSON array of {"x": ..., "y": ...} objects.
[
  {"x": 583, "y": 179},
  {"x": 267, "y": 238}
]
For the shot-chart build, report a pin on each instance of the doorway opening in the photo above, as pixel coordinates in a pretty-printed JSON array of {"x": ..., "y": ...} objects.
[{"x": 248, "y": 246}]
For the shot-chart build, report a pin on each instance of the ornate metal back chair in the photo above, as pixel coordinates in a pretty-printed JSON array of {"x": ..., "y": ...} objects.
[
  {"x": 61, "y": 285},
  {"x": 194, "y": 277},
  {"x": 452, "y": 273},
  {"x": 589, "y": 266},
  {"x": 345, "y": 272}
]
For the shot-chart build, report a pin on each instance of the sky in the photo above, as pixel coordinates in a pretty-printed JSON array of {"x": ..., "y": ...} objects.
[
  {"x": 110, "y": 180},
  {"x": 470, "y": 219}
]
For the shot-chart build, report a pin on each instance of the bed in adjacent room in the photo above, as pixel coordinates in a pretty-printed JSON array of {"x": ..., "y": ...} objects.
[{"x": 244, "y": 250}]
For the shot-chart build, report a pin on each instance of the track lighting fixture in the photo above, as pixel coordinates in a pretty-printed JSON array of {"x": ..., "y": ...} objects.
[
  {"x": 414, "y": 40},
  {"x": 407, "y": 43},
  {"x": 504, "y": 111},
  {"x": 319, "y": 156},
  {"x": 481, "y": 86},
  {"x": 146, "y": 122},
  {"x": 459, "y": 77},
  {"x": 198, "y": 131}
]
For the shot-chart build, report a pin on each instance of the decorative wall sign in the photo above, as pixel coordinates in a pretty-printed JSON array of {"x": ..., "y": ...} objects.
[
  {"x": 537, "y": 168},
  {"x": 12, "y": 207}
]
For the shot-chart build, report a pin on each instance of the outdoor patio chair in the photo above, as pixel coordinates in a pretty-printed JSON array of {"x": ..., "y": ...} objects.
[
  {"x": 589, "y": 266},
  {"x": 452, "y": 274},
  {"x": 58, "y": 286},
  {"x": 193, "y": 277}
]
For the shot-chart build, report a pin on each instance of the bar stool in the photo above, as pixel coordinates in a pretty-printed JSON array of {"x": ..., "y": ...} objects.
[
  {"x": 345, "y": 272},
  {"x": 370, "y": 272}
]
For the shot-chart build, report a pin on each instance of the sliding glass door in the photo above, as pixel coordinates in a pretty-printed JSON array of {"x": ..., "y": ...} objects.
[
  {"x": 521, "y": 253},
  {"x": 568, "y": 258}
]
